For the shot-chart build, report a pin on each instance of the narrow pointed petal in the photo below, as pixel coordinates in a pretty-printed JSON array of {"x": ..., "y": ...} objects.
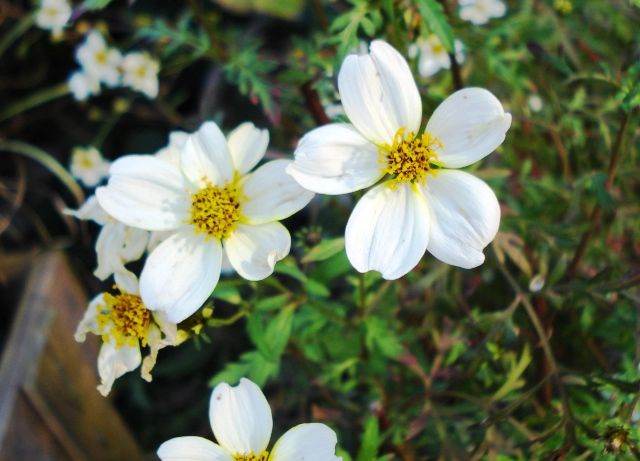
[
  {"x": 379, "y": 93},
  {"x": 205, "y": 157},
  {"x": 388, "y": 230},
  {"x": 145, "y": 192},
  {"x": 240, "y": 418},
  {"x": 465, "y": 217},
  {"x": 191, "y": 449},
  {"x": 180, "y": 274},
  {"x": 114, "y": 362},
  {"x": 253, "y": 250},
  {"x": 335, "y": 159},
  {"x": 308, "y": 442},
  {"x": 470, "y": 124},
  {"x": 271, "y": 194},
  {"x": 247, "y": 145}
]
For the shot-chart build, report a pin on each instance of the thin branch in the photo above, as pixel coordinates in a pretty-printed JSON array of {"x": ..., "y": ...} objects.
[
  {"x": 219, "y": 51},
  {"x": 313, "y": 103}
]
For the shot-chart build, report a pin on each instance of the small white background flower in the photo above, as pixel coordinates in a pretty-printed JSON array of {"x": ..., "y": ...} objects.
[
  {"x": 210, "y": 203},
  {"x": 481, "y": 11},
  {"x": 241, "y": 422},
  {"x": 432, "y": 55},
  {"x": 98, "y": 60},
  {"x": 425, "y": 204},
  {"x": 140, "y": 72},
  {"x": 83, "y": 85},
  {"x": 53, "y": 15},
  {"x": 88, "y": 165}
]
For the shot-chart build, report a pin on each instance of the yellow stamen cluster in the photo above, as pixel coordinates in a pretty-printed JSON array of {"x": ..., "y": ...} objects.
[
  {"x": 251, "y": 457},
  {"x": 215, "y": 210},
  {"x": 124, "y": 318},
  {"x": 101, "y": 56},
  {"x": 410, "y": 157}
]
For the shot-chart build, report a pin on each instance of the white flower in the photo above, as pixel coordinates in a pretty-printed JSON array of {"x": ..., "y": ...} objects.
[
  {"x": 88, "y": 165},
  {"x": 171, "y": 152},
  {"x": 83, "y": 85},
  {"x": 433, "y": 56},
  {"x": 241, "y": 422},
  {"x": 98, "y": 60},
  {"x": 210, "y": 203},
  {"x": 481, "y": 11},
  {"x": 535, "y": 103},
  {"x": 53, "y": 15},
  {"x": 422, "y": 204},
  {"x": 117, "y": 244},
  {"x": 140, "y": 72},
  {"x": 125, "y": 325}
]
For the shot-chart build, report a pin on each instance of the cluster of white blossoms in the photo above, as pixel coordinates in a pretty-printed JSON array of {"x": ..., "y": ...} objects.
[
  {"x": 481, "y": 11},
  {"x": 101, "y": 64},
  {"x": 433, "y": 56},
  {"x": 53, "y": 15},
  {"x": 241, "y": 422},
  {"x": 420, "y": 201}
]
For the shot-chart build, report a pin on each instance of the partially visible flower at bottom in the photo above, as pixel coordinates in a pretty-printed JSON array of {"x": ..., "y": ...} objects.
[
  {"x": 125, "y": 325},
  {"x": 241, "y": 421},
  {"x": 88, "y": 165},
  {"x": 117, "y": 244}
]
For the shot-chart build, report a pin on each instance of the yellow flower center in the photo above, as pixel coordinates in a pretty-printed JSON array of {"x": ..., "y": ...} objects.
[
  {"x": 438, "y": 48},
  {"x": 251, "y": 457},
  {"x": 124, "y": 318},
  {"x": 101, "y": 56},
  {"x": 141, "y": 71},
  {"x": 410, "y": 157},
  {"x": 216, "y": 210}
]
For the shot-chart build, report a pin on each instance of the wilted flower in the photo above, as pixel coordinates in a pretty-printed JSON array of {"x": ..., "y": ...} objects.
[
  {"x": 88, "y": 165},
  {"x": 423, "y": 203},
  {"x": 241, "y": 422},
  {"x": 209, "y": 203},
  {"x": 481, "y": 11},
  {"x": 53, "y": 15},
  {"x": 140, "y": 72},
  {"x": 98, "y": 60},
  {"x": 432, "y": 55},
  {"x": 117, "y": 244},
  {"x": 125, "y": 325},
  {"x": 83, "y": 85}
]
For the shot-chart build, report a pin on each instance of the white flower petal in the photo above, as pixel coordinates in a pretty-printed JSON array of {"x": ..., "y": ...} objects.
[
  {"x": 180, "y": 274},
  {"x": 335, "y": 159},
  {"x": 470, "y": 124},
  {"x": 145, "y": 192},
  {"x": 114, "y": 362},
  {"x": 240, "y": 418},
  {"x": 117, "y": 245},
  {"x": 205, "y": 157},
  {"x": 271, "y": 194},
  {"x": 388, "y": 230},
  {"x": 191, "y": 449},
  {"x": 379, "y": 94},
  {"x": 92, "y": 210},
  {"x": 127, "y": 282},
  {"x": 247, "y": 145},
  {"x": 253, "y": 250},
  {"x": 89, "y": 323},
  {"x": 308, "y": 442},
  {"x": 465, "y": 217}
]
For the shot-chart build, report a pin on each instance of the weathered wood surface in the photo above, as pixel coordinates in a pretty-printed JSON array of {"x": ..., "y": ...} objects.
[{"x": 49, "y": 406}]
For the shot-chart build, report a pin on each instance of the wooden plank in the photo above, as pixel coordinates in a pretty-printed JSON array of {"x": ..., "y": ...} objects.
[{"x": 43, "y": 363}]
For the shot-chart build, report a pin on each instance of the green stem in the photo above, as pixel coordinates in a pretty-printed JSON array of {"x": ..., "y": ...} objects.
[
  {"x": 18, "y": 29},
  {"x": 46, "y": 160},
  {"x": 34, "y": 100}
]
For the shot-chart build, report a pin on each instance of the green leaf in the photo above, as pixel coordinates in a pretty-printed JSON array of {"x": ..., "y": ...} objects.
[
  {"x": 371, "y": 440},
  {"x": 95, "y": 4},
  {"x": 227, "y": 293},
  {"x": 514, "y": 380},
  {"x": 315, "y": 288},
  {"x": 324, "y": 250},
  {"x": 379, "y": 336},
  {"x": 433, "y": 13},
  {"x": 272, "y": 339},
  {"x": 252, "y": 365}
]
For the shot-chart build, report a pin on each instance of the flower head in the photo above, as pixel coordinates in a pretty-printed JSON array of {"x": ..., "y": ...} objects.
[
  {"x": 88, "y": 165},
  {"x": 432, "y": 55},
  {"x": 83, "y": 85},
  {"x": 98, "y": 60},
  {"x": 422, "y": 202},
  {"x": 210, "y": 203},
  {"x": 241, "y": 422},
  {"x": 140, "y": 72},
  {"x": 53, "y": 15},
  {"x": 125, "y": 325},
  {"x": 481, "y": 11}
]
